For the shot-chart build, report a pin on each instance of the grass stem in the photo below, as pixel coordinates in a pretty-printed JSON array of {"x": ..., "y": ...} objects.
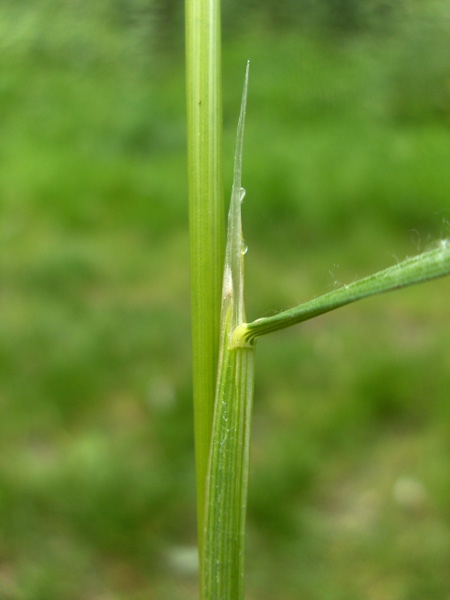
[{"x": 206, "y": 219}]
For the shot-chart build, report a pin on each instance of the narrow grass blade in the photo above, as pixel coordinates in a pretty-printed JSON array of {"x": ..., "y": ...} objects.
[
  {"x": 426, "y": 266},
  {"x": 223, "y": 566}
]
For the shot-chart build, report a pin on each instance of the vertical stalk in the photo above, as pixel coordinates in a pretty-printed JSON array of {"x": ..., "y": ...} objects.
[{"x": 206, "y": 219}]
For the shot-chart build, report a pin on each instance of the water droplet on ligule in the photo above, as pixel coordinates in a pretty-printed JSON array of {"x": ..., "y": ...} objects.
[
  {"x": 242, "y": 194},
  {"x": 244, "y": 248}
]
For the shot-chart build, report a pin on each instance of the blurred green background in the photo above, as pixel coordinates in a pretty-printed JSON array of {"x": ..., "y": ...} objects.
[{"x": 346, "y": 166}]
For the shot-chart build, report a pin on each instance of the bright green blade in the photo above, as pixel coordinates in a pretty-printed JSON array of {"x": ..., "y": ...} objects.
[{"x": 426, "y": 266}]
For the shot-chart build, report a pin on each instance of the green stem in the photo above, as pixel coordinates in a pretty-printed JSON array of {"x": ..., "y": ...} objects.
[
  {"x": 206, "y": 219},
  {"x": 426, "y": 266}
]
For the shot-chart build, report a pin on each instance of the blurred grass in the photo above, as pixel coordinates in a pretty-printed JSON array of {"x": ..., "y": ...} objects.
[{"x": 346, "y": 169}]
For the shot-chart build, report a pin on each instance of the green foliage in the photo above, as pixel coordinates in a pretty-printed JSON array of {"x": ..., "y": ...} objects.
[{"x": 96, "y": 473}]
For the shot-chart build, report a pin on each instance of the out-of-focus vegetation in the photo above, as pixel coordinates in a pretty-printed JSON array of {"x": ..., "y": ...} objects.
[{"x": 346, "y": 169}]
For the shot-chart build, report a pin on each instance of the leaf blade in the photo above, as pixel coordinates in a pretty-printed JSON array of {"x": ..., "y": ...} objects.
[{"x": 424, "y": 267}]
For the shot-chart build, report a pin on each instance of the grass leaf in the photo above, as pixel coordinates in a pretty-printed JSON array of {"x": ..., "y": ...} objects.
[{"x": 429, "y": 265}]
